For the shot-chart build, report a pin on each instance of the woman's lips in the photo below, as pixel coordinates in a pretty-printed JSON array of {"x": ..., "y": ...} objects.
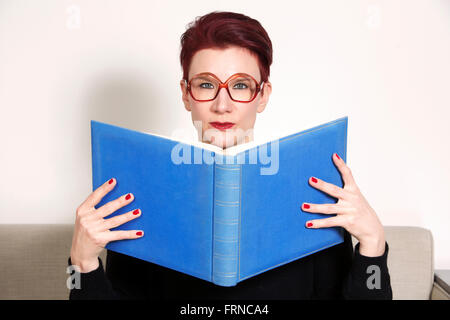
[{"x": 222, "y": 125}]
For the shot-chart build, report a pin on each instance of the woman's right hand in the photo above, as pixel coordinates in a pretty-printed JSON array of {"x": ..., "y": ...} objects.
[{"x": 92, "y": 232}]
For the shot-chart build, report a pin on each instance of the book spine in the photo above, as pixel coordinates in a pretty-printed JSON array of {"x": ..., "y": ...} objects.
[{"x": 226, "y": 219}]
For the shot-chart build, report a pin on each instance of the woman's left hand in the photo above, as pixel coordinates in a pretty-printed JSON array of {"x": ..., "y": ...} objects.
[{"x": 352, "y": 210}]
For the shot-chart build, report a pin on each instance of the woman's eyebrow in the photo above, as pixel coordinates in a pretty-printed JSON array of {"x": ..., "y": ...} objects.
[
  {"x": 210, "y": 77},
  {"x": 205, "y": 77},
  {"x": 243, "y": 78},
  {"x": 244, "y": 75}
]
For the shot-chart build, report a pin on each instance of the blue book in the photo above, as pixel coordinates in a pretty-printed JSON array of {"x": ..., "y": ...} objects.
[{"x": 219, "y": 215}]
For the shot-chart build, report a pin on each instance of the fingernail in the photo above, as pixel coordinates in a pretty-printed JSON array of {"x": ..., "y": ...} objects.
[
  {"x": 306, "y": 206},
  {"x": 309, "y": 225},
  {"x": 111, "y": 181},
  {"x": 314, "y": 180},
  {"x": 136, "y": 212},
  {"x": 337, "y": 156},
  {"x": 128, "y": 197},
  {"x": 139, "y": 233}
]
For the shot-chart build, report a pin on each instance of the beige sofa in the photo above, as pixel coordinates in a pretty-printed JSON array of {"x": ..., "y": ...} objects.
[{"x": 33, "y": 262}]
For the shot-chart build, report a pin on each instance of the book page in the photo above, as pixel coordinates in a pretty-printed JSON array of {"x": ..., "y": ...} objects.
[{"x": 210, "y": 147}]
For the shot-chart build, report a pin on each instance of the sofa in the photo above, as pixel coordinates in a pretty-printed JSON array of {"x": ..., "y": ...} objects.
[{"x": 33, "y": 262}]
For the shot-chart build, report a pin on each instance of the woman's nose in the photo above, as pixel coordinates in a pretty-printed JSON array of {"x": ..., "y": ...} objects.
[{"x": 223, "y": 102}]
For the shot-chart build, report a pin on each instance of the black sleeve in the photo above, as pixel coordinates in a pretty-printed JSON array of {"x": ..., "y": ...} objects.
[
  {"x": 343, "y": 273},
  {"x": 92, "y": 285},
  {"x": 125, "y": 277},
  {"x": 368, "y": 278}
]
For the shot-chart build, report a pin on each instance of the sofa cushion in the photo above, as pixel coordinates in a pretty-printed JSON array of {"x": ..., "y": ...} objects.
[{"x": 33, "y": 261}]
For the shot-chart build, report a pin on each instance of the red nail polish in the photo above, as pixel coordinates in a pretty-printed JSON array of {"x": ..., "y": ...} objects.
[
  {"x": 314, "y": 180},
  {"x": 139, "y": 233},
  {"x": 111, "y": 181},
  {"x": 306, "y": 206},
  {"x": 128, "y": 197},
  {"x": 337, "y": 156},
  {"x": 309, "y": 225},
  {"x": 136, "y": 212}
]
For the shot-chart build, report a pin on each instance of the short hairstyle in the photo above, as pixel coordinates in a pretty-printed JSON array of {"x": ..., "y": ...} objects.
[{"x": 222, "y": 30}]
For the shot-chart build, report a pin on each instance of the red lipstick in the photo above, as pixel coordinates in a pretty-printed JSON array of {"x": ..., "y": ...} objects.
[{"x": 222, "y": 125}]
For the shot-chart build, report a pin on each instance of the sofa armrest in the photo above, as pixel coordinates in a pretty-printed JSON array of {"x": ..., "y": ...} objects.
[
  {"x": 439, "y": 293},
  {"x": 441, "y": 285}
]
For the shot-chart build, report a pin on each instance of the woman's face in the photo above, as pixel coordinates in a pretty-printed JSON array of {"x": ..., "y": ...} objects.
[{"x": 224, "y": 63}]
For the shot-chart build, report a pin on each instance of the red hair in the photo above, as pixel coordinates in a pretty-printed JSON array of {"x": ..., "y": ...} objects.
[{"x": 222, "y": 30}]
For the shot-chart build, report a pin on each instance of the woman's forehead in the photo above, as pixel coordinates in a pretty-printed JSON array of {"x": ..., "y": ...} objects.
[{"x": 225, "y": 62}]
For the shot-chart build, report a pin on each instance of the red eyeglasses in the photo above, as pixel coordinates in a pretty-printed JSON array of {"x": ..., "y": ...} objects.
[{"x": 241, "y": 87}]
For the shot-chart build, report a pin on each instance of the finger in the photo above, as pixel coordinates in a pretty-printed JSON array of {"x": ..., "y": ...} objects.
[
  {"x": 115, "y": 205},
  {"x": 337, "y": 221},
  {"x": 329, "y": 188},
  {"x": 345, "y": 171},
  {"x": 326, "y": 208},
  {"x": 121, "y": 219},
  {"x": 122, "y": 235},
  {"x": 95, "y": 197}
]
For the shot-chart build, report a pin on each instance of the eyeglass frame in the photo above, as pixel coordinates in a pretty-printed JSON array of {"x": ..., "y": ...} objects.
[{"x": 259, "y": 87}]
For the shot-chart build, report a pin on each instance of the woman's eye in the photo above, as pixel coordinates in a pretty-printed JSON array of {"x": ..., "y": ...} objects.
[
  {"x": 207, "y": 85},
  {"x": 240, "y": 86}
]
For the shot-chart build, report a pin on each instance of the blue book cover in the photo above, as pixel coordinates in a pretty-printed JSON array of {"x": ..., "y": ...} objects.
[{"x": 219, "y": 215}]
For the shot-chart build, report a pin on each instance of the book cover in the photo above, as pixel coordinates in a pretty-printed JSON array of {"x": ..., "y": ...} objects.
[{"x": 219, "y": 215}]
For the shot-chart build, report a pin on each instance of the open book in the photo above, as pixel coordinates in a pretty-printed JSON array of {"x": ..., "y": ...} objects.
[{"x": 219, "y": 215}]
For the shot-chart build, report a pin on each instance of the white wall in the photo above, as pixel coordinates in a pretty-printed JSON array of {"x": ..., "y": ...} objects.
[{"x": 385, "y": 64}]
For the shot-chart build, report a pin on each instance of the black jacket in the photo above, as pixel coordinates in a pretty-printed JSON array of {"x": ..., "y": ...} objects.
[{"x": 334, "y": 273}]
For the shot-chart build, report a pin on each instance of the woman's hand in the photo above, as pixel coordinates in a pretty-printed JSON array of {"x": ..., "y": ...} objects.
[
  {"x": 353, "y": 212},
  {"x": 92, "y": 232}
]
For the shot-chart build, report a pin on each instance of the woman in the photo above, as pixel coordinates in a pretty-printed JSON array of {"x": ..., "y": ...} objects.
[{"x": 230, "y": 51}]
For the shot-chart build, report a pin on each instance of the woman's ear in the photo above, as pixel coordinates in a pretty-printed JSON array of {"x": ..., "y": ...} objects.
[
  {"x": 184, "y": 95},
  {"x": 265, "y": 93}
]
